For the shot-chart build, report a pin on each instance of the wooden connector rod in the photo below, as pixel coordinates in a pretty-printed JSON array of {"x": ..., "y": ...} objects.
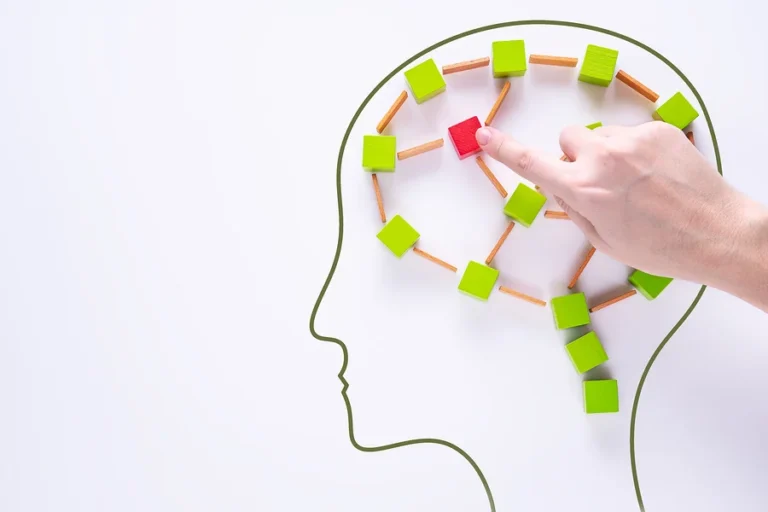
[
  {"x": 499, "y": 100},
  {"x": 491, "y": 177},
  {"x": 637, "y": 86},
  {"x": 581, "y": 268},
  {"x": 429, "y": 146},
  {"x": 565, "y": 158},
  {"x": 391, "y": 112},
  {"x": 690, "y": 138},
  {"x": 527, "y": 298},
  {"x": 498, "y": 245},
  {"x": 466, "y": 65},
  {"x": 552, "y": 214},
  {"x": 431, "y": 258},
  {"x": 612, "y": 301},
  {"x": 379, "y": 200},
  {"x": 549, "y": 60}
]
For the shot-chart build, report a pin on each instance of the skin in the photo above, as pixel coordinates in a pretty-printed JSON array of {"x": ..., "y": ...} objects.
[{"x": 645, "y": 196}]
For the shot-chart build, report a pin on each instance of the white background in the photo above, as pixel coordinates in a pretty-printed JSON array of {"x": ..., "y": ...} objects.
[{"x": 168, "y": 213}]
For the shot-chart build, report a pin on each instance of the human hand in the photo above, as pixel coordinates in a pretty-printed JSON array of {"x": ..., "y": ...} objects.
[{"x": 643, "y": 195}]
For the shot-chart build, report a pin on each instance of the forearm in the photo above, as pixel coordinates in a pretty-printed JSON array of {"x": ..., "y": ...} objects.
[{"x": 743, "y": 269}]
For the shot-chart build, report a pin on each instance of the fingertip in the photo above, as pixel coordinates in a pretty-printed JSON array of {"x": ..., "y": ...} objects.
[{"x": 483, "y": 136}]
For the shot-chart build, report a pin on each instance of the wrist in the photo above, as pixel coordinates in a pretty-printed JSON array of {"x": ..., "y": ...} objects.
[{"x": 741, "y": 267}]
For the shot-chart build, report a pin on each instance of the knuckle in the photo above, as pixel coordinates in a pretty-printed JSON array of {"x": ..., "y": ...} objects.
[{"x": 526, "y": 160}]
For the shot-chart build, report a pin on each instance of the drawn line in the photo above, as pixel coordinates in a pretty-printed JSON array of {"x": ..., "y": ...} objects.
[{"x": 337, "y": 254}]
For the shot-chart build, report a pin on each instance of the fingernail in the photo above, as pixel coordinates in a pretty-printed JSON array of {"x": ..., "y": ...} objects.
[{"x": 483, "y": 136}]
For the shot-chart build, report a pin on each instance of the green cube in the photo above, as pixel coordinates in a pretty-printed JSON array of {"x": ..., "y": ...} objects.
[
  {"x": 570, "y": 311},
  {"x": 509, "y": 58},
  {"x": 524, "y": 205},
  {"x": 676, "y": 111},
  {"x": 398, "y": 236},
  {"x": 648, "y": 284},
  {"x": 599, "y": 65},
  {"x": 425, "y": 81},
  {"x": 594, "y": 125},
  {"x": 601, "y": 396},
  {"x": 379, "y": 152},
  {"x": 586, "y": 352},
  {"x": 478, "y": 280}
]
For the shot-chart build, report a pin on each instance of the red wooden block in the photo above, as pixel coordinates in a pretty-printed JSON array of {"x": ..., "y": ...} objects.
[{"x": 463, "y": 137}]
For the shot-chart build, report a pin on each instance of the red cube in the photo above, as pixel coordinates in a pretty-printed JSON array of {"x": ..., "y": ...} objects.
[{"x": 463, "y": 137}]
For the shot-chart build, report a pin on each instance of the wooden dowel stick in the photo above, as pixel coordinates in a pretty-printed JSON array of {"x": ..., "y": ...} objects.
[
  {"x": 612, "y": 301},
  {"x": 550, "y": 60},
  {"x": 392, "y": 111},
  {"x": 638, "y": 87},
  {"x": 466, "y": 65},
  {"x": 379, "y": 200},
  {"x": 498, "y": 245},
  {"x": 423, "y": 148},
  {"x": 565, "y": 158},
  {"x": 527, "y": 298},
  {"x": 552, "y": 214},
  {"x": 434, "y": 260},
  {"x": 690, "y": 138},
  {"x": 581, "y": 268},
  {"x": 491, "y": 177},
  {"x": 499, "y": 100}
]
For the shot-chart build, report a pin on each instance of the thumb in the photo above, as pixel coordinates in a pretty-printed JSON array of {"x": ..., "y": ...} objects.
[{"x": 529, "y": 163}]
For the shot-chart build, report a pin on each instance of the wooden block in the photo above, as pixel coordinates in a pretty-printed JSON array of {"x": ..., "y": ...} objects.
[
  {"x": 584, "y": 264},
  {"x": 423, "y": 148},
  {"x": 463, "y": 137},
  {"x": 690, "y": 137},
  {"x": 379, "y": 200},
  {"x": 524, "y": 205},
  {"x": 649, "y": 285},
  {"x": 398, "y": 236},
  {"x": 613, "y": 301},
  {"x": 509, "y": 58},
  {"x": 570, "y": 311},
  {"x": 676, "y": 111},
  {"x": 519, "y": 295},
  {"x": 552, "y": 214},
  {"x": 499, "y": 187},
  {"x": 433, "y": 259},
  {"x": 601, "y": 396},
  {"x": 425, "y": 81},
  {"x": 586, "y": 352},
  {"x": 499, "y": 101},
  {"x": 391, "y": 112},
  {"x": 637, "y": 86},
  {"x": 379, "y": 153},
  {"x": 549, "y": 60},
  {"x": 499, "y": 243},
  {"x": 466, "y": 65},
  {"x": 478, "y": 280},
  {"x": 599, "y": 65}
]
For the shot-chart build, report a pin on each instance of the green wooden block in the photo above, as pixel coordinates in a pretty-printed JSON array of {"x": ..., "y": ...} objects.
[
  {"x": 601, "y": 396},
  {"x": 586, "y": 352},
  {"x": 425, "y": 81},
  {"x": 509, "y": 58},
  {"x": 594, "y": 125},
  {"x": 648, "y": 284},
  {"x": 570, "y": 311},
  {"x": 398, "y": 236},
  {"x": 478, "y": 280},
  {"x": 599, "y": 65},
  {"x": 379, "y": 152},
  {"x": 676, "y": 111},
  {"x": 524, "y": 205}
]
